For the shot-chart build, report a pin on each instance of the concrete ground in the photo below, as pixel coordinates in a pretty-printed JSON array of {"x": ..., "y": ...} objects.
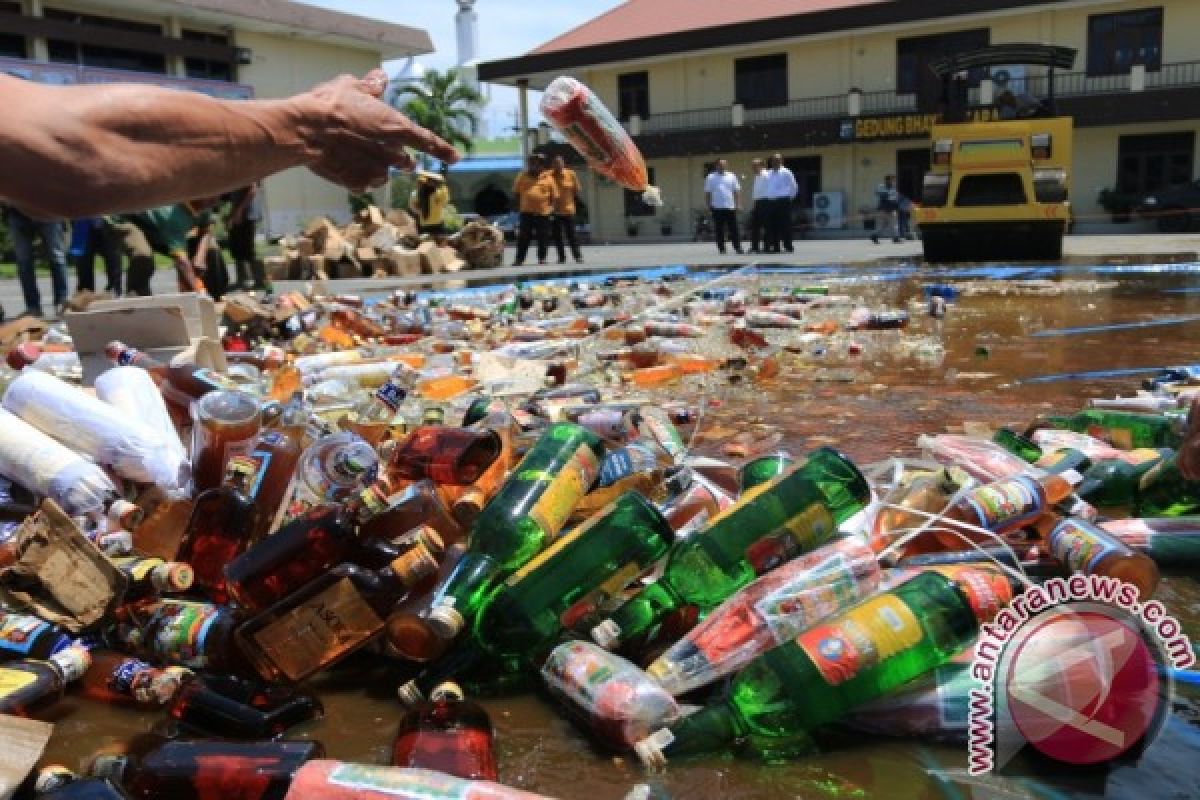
[{"x": 1138, "y": 248}]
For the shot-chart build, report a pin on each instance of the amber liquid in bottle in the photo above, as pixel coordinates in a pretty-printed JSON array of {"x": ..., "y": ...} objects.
[
  {"x": 225, "y": 425},
  {"x": 456, "y": 456},
  {"x": 447, "y": 734}
]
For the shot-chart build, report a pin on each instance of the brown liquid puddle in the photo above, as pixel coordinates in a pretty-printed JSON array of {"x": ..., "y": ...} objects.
[{"x": 894, "y": 399}]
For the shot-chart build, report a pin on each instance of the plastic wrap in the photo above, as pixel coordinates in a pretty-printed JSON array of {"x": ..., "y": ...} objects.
[
  {"x": 42, "y": 465},
  {"x": 577, "y": 113},
  {"x": 91, "y": 427},
  {"x": 982, "y": 459},
  {"x": 614, "y": 699},
  {"x": 131, "y": 391}
]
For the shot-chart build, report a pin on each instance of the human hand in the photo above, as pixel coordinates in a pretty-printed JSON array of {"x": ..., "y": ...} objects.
[
  {"x": 1188, "y": 457},
  {"x": 353, "y": 138}
]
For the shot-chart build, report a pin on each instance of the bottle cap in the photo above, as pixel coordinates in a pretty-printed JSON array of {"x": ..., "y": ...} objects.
[
  {"x": 409, "y": 694},
  {"x": 172, "y": 576},
  {"x": 445, "y": 621},
  {"x": 72, "y": 662},
  {"x": 429, "y": 537},
  {"x": 447, "y": 691},
  {"x": 650, "y": 749},
  {"x": 414, "y": 564},
  {"x": 53, "y": 776},
  {"x": 607, "y": 634}
]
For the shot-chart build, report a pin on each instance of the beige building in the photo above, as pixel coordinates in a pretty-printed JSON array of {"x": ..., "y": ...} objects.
[
  {"x": 229, "y": 48},
  {"x": 842, "y": 88}
]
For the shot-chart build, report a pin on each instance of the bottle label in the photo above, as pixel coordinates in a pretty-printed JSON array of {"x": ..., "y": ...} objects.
[
  {"x": 179, "y": 630},
  {"x": 1117, "y": 437},
  {"x": 811, "y": 527},
  {"x": 1077, "y": 548},
  {"x": 863, "y": 637},
  {"x": 410, "y": 784},
  {"x": 624, "y": 462},
  {"x": 391, "y": 396},
  {"x": 319, "y": 631},
  {"x": 1005, "y": 503},
  {"x": 18, "y": 632},
  {"x": 664, "y": 433},
  {"x": 562, "y": 494},
  {"x": 986, "y": 587},
  {"x": 131, "y": 678},
  {"x": 559, "y": 545},
  {"x": 248, "y": 470},
  {"x": 14, "y": 680},
  {"x": 821, "y": 592}
]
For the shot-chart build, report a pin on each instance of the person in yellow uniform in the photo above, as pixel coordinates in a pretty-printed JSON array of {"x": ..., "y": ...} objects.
[
  {"x": 536, "y": 195},
  {"x": 429, "y": 200},
  {"x": 563, "y": 222}
]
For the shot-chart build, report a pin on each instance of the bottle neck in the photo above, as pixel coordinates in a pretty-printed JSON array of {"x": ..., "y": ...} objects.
[
  {"x": 638, "y": 615},
  {"x": 711, "y": 729}
]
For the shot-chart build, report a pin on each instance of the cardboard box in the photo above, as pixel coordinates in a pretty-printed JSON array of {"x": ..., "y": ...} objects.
[{"x": 432, "y": 261}]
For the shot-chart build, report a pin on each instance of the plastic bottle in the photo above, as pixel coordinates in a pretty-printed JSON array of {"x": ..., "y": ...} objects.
[
  {"x": 807, "y": 504},
  {"x": 43, "y": 466},
  {"x": 225, "y": 425},
  {"x": 339, "y": 780},
  {"x": 331, "y": 617},
  {"x": 447, "y": 734},
  {"x": 117, "y": 678},
  {"x": 29, "y": 636},
  {"x": 1123, "y": 429},
  {"x": 530, "y": 509},
  {"x": 131, "y": 391},
  {"x": 608, "y": 696},
  {"x": 1081, "y": 546},
  {"x": 862, "y": 654},
  {"x": 233, "y": 707},
  {"x": 30, "y": 684},
  {"x": 768, "y": 612}
]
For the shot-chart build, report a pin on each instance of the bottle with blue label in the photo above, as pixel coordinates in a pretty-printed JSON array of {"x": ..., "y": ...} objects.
[{"x": 29, "y": 636}]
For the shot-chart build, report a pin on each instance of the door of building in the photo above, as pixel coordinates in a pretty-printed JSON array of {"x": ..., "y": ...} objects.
[
  {"x": 1150, "y": 162},
  {"x": 911, "y": 166}
]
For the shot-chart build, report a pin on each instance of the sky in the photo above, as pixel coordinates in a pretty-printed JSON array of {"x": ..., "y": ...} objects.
[{"x": 507, "y": 28}]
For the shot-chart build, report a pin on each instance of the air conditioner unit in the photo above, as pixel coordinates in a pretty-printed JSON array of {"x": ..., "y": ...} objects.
[{"x": 828, "y": 210}]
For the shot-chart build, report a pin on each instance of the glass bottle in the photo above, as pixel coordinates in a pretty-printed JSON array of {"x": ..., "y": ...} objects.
[
  {"x": 198, "y": 770},
  {"x": 154, "y": 576},
  {"x": 1114, "y": 482},
  {"x": 403, "y": 511},
  {"x": 865, "y": 652},
  {"x": 381, "y": 406},
  {"x": 447, "y": 734},
  {"x": 768, "y": 612},
  {"x": 329, "y": 471},
  {"x": 160, "y": 533},
  {"x": 1164, "y": 492},
  {"x": 1167, "y": 540},
  {"x": 1081, "y": 546},
  {"x": 30, "y": 684},
  {"x": 763, "y": 470},
  {"x": 806, "y": 505},
  {"x": 457, "y": 456},
  {"x": 180, "y": 632},
  {"x": 1017, "y": 444},
  {"x": 1124, "y": 429},
  {"x": 117, "y": 678},
  {"x": 225, "y": 424},
  {"x": 339, "y": 780},
  {"x": 180, "y": 385},
  {"x": 530, "y": 509},
  {"x": 29, "y": 636},
  {"x": 330, "y": 618},
  {"x": 85, "y": 789},
  {"x": 233, "y": 707}
]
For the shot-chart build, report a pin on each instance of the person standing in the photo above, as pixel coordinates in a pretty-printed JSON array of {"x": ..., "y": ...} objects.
[
  {"x": 888, "y": 205},
  {"x": 163, "y": 230},
  {"x": 723, "y": 193},
  {"x": 24, "y": 231},
  {"x": 536, "y": 195},
  {"x": 781, "y": 189},
  {"x": 761, "y": 208},
  {"x": 429, "y": 200},
  {"x": 91, "y": 237},
  {"x": 245, "y": 212},
  {"x": 563, "y": 222}
]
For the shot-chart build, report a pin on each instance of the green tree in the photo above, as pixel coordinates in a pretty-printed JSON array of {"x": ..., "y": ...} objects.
[{"x": 443, "y": 103}]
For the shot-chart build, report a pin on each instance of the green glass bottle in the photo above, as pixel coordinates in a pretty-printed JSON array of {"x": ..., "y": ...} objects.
[
  {"x": 805, "y": 506},
  {"x": 763, "y": 470},
  {"x": 525, "y": 515},
  {"x": 1124, "y": 429},
  {"x": 523, "y": 616},
  {"x": 863, "y": 653},
  {"x": 1164, "y": 492},
  {"x": 1017, "y": 444},
  {"x": 1114, "y": 481}
]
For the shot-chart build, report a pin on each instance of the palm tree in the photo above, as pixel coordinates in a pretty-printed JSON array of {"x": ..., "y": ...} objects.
[{"x": 443, "y": 103}]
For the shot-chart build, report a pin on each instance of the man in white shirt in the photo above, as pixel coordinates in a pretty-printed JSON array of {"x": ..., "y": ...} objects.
[
  {"x": 723, "y": 193},
  {"x": 761, "y": 209},
  {"x": 781, "y": 189}
]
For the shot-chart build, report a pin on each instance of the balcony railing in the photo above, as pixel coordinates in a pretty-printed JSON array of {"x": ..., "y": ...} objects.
[
  {"x": 68, "y": 74},
  {"x": 1066, "y": 84}
]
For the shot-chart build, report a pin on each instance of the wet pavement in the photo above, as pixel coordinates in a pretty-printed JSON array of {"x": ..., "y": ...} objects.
[{"x": 871, "y": 406}]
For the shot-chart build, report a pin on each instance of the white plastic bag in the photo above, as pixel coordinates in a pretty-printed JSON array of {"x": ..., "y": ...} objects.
[
  {"x": 40, "y": 464},
  {"x": 91, "y": 427},
  {"x": 131, "y": 391}
]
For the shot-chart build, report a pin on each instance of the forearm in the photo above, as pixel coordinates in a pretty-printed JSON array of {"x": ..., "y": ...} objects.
[{"x": 133, "y": 146}]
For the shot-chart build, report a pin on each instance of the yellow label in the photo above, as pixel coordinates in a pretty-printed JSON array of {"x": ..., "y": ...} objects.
[
  {"x": 863, "y": 637},
  {"x": 745, "y": 499},
  {"x": 554, "y": 507},
  {"x": 812, "y": 527},
  {"x": 14, "y": 680},
  {"x": 559, "y": 545},
  {"x": 319, "y": 631},
  {"x": 136, "y": 567}
]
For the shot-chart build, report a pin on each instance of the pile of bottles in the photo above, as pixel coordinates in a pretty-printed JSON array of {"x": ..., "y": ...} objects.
[{"x": 494, "y": 493}]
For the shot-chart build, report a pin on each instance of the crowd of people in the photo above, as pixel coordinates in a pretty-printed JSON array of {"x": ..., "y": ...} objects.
[{"x": 186, "y": 233}]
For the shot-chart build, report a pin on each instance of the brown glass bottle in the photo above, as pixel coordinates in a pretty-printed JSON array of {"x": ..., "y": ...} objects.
[
  {"x": 403, "y": 511},
  {"x": 355, "y": 322},
  {"x": 29, "y": 685},
  {"x": 160, "y": 532},
  {"x": 241, "y": 708},
  {"x": 180, "y": 385},
  {"x": 330, "y": 618},
  {"x": 457, "y": 456},
  {"x": 180, "y": 632},
  {"x": 201, "y": 770},
  {"x": 447, "y": 734},
  {"x": 225, "y": 424}
]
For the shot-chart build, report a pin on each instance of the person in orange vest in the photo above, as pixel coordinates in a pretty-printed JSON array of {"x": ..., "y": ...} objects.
[
  {"x": 563, "y": 222},
  {"x": 536, "y": 195}
]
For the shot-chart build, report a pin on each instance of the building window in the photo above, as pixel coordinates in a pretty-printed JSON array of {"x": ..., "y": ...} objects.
[
  {"x": 64, "y": 51},
  {"x": 1118, "y": 41},
  {"x": 914, "y": 55},
  {"x": 12, "y": 45},
  {"x": 633, "y": 95},
  {"x": 1154, "y": 161},
  {"x": 761, "y": 82},
  {"x": 203, "y": 67},
  {"x": 807, "y": 171},
  {"x": 634, "y": 205}
]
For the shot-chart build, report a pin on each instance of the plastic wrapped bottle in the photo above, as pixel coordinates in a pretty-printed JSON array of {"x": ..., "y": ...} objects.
[
  {"x": 91, "y": 427},
  {"x": 131, "y": 391},
  {"x": 44, "y": 466},
  {"x": 610, "y": 697},
  {"x": 339, "y": 780},
  {"x": 1167, "y": 540},
  {"x": 768, "y": 612}
]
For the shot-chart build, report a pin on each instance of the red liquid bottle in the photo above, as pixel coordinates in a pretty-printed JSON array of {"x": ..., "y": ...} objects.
[
  {"x": 239, "y": 708},
  {"x": 447, "y": 734},
  {"x": 181, "y": 632},
  {"x": 457, "y": 456}
]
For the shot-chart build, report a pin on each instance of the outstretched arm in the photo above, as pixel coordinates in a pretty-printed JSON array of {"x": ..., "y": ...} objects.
[{"x": 78, "y": 151}]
